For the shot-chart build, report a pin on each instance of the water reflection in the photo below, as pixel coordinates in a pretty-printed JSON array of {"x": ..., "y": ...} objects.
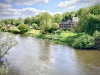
[
  {"x": 89, "y": 61},
  {"x": 45, "y": 51},
  {"x": 40, "y": 57}
]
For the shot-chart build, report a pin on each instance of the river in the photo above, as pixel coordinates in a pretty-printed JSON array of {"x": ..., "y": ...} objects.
[{"x": 32, "y": 56}]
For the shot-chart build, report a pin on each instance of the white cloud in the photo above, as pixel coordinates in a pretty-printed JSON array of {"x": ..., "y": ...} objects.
[
  {"x": 70, "y": 4},
  {"x": 7, "y": 11},
  {"x": 2, "y": 6},
  {"x": 67, "y": 4},
  {"x": 28, "y": 2}
]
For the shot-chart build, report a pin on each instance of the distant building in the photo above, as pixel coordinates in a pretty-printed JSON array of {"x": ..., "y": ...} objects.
[
  {"x": 10, "y": 26},
  {"x": 68, "y": 24}
]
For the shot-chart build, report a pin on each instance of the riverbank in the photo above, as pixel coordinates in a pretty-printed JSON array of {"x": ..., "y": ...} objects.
[
  {"x": 59, "y": 37},
  {"x": 69, "y": 38}
]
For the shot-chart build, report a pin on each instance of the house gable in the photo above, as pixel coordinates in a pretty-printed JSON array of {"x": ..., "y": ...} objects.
[{"x": 68, "y": 24}]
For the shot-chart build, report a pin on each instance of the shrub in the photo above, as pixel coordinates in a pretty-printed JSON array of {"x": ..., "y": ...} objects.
[
  {"x": 35, "y": 26},
  {"x": 15, "y": 30},
  {"x": 55, "y": 26},
  {"x": 3, "y": 29},
  {"x": 23, "y": 28},
  {"x": 84, "y": 41},
  {"x": 97, "y": 39}
]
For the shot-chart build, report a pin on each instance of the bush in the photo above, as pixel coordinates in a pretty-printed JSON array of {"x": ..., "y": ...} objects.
[
  {"x": 23, "y": 28},
  {"x": 97, "y": 39},
  {"x": 35, "y": 26},
  {"x": 3, "y": 29},
  {"x": 15, "y": 30},
  {"x": 55, "y": 26},
  {"x": 84, "y": 41}
]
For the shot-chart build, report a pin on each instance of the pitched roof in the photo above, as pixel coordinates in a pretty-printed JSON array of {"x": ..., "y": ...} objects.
[{"x": 73, "y": 21}]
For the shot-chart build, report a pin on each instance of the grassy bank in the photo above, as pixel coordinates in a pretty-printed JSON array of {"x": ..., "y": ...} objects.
[{"x": 60, "y": 37}]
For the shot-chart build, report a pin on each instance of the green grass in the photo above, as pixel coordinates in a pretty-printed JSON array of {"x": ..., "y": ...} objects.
[
  {"x": 33, "y": 32},
  {"x": 65, "y": 37}
]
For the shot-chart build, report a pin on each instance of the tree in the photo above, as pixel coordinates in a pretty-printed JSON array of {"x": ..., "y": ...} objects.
[
  {"x": 27, "y": 21},
  {"x": 23, "y": 28},
  {"x": 5, "y": 46},
  {"x": 45, "y": 21},
  {"x": 57, "y": 18},
  {"x": 35, "y": 26},
  {"x": 67, "y": 16},
  {"x": 36, "y": 20},
  {"x": 89, "y": 19},
  {"x": 32, "y": 19},
  {"x": 81, "y": 25},
  {"x": 55, "y": 26},
  {"x": 13, "y": 21},
  {"x": 2, "y": 24},
  {"x": 18, "y": 22},
  {"x": 93, "y": 22}
]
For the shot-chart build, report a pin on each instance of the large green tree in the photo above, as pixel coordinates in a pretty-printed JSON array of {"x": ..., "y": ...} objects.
[
  {"x": 89, "y": 19},
  {"x": 23, "y": 28},
  {"x": 27, "y": 21},
  {"x": 57, "y": 18},
  {"x": 93, "y": 24},
  {"x": 45, "y": 21},
  {"x": 67, "y": 15}
]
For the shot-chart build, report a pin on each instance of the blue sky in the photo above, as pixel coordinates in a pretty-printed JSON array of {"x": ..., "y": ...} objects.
[{"x": 28, "y": 8}]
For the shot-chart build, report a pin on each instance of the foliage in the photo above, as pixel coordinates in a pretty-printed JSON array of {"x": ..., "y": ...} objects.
[
  {"x": 6, "y": 45},
  {"x": 35, "y": 19},
  {"x": 89, "y": 19},
  {"x": 97, "y": 39},
  {"x": 23, "y": 28},
  {"x": 13, "y": 21},
  {"x": 45, "y": 21},
  {"x": 67, "y": 16},
  {"x": 35, "y": 26},
  {"x": 81, "y": 25},
  {"x": 27, "y": 20},
  {"x": 15, "y": 31},
  {"x": 3, "y": 29},
  {"x": 18, "y": 22},
  {"x": 93, "y": 22},
  {"x": 57, "y": 18},
  {"x": 2, "y": 25},
  {"x": 55, "y": 26},
  {"x": 84, "y": 41},
  {"x": 3, "y": 70}
]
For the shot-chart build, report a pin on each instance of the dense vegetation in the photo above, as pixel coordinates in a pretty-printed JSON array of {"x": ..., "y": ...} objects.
[{"x": 84, "y": 34}]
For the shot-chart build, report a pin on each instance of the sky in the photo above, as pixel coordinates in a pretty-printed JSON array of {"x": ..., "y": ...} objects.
[{"x": 29, "y": 8}]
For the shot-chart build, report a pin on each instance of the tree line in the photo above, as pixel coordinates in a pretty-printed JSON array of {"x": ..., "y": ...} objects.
[
  {"x": 89, "y": 20},
  {"x": 88, "y": 24}
]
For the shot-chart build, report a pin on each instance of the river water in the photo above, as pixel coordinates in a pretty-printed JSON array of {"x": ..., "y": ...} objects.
[{"x": 32, "y": 56}]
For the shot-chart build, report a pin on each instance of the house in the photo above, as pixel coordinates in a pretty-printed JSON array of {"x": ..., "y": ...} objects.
[
  {"x": 69, "y": 23},
  {"x": 10, "y": 26}
]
